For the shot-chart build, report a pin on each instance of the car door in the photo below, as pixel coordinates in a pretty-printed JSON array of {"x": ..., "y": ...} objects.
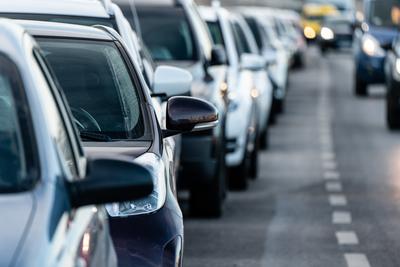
[{"x": 82, "y": 236}]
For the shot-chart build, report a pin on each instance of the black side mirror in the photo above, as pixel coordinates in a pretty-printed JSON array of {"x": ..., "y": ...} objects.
[
  {"x": 187, "y": 114},
  {"x": 111, "y": 180},
  {"x": 218, "y": 56}
]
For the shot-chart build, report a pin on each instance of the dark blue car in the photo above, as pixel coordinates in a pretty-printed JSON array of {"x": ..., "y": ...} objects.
[{"x": 374, "y": 36}]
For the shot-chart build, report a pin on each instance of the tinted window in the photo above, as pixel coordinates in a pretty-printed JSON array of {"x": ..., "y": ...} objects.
[
  {"x": 241, "y": 39},
  {"x": 255, "y": 30},
  {"x": 167, "y": 33},
  {"x": 98, "y": 86},
  {"x": 385, "y": 13},
  {"x": 17, "y": 168},
  {"x": 216, "y": 33}
]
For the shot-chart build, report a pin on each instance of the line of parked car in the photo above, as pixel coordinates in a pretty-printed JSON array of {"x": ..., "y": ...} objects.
[{"x": 110, "y": 108}]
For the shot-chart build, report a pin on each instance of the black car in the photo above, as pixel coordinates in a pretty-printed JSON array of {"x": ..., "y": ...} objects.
[
  {"x": 113, "y": 111},
  {"x": 50, "y": 193},
  {"x": 336, "y": 33}
]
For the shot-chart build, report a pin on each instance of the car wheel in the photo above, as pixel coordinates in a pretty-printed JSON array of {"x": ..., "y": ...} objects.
[
  {"x": 264, "y": 139},
  {"x": 360, "y": 87},
  {"x": 253, "y": 160},
  {"x": 238, "y": 175},
  {"x": 393, "y": 112}
]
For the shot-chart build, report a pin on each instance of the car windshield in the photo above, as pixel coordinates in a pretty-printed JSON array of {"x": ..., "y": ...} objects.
[
  {"x": 254, "y": 29},
  {"x": 98, "y": 86},
  {"x": 86, "y": 21},
  {"x": 15, "y": 136},
  {"x": 341, "y": 5},
  {"x": 167, "y": 34},
  {"x": 384, "y": 13},
  {"x": 216, "y": 33}
]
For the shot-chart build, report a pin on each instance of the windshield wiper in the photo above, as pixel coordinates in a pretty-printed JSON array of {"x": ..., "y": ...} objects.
[{"x": 90, "y": 136}]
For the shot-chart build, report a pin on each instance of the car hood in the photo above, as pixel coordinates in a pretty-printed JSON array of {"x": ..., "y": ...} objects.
[
  {"x": 16, "y": 211},
  {"x": 385, "y": 36}
]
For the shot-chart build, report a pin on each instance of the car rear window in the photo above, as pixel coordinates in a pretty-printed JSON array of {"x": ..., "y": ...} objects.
[{"x": 167, "y": 33}]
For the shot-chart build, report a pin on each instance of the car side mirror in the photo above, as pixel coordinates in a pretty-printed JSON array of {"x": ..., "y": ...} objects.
[
  {"x": 171, "y": 81},
  {"x": 189, "y": 114},
  {"x": 110, "y": 180},
  {"x": 218, "y": 56},
  {"x": 252, "y": 62}
]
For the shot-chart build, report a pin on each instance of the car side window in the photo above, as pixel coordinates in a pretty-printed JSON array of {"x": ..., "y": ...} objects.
[{"x": 64, "y": 135}]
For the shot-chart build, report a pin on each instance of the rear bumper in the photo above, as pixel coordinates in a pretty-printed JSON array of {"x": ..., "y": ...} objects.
[{"x": 198, "y": 159}]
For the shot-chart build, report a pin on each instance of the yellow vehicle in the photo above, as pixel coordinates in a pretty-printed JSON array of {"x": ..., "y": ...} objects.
[{"x": 312, "y": 17}]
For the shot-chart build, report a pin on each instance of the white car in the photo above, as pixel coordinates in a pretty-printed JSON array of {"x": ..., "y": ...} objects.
[
  {"x": 105, "y": 13},
  {"x": 272, "y": 48},
  {"x": 242, "y": 118},
  {"x": 263, "y": 87}
]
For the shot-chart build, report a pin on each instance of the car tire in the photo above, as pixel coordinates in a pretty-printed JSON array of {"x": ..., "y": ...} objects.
[
  {"x": 238, "y": 179},
  {"x": 253, "y": 160},
  {"x": 264, "y": 139},
  {"x": 392, "y": 112},
  {"x": 360, "y": 87}
]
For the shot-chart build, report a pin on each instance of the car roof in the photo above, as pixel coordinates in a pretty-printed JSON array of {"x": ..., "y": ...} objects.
[
  {"x": 56, "y": 29},
  {"x": 161, "y": 2},
  {"x": 89, "y": 8},
  {"x": 11, "y": 35}
]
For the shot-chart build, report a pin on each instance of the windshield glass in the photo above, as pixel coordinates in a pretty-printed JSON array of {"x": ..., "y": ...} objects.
[
  {"x": 216, "y": 33},
  {"x": 15, "y": 137},
  {"x": 98, "y": 86},
  {"x": 167, "y": 34},
  {"x": 384, "y": 13},
  {"x": 341, "y": 5}
]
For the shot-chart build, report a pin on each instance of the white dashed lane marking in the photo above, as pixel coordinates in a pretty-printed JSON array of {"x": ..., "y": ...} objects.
[
  {"x": 356, "y": 260},
  {"x": 337, "y": 200},
  {"x": 331, "y": 175},
  {"x": 329, "y": 165},
  {"x": 346, "y": 238},
  {"x": 341, "y": 217},
  {"x": 333, "y": 186}
]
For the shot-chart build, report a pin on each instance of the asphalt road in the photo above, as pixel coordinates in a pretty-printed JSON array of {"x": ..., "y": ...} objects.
[{"x": 329, "y": 187}]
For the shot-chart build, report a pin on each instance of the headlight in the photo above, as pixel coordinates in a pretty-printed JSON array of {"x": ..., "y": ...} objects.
[
  {"x": 309, "y": 32},
  {"x": 396, "y": 70},
  {"x": 327, "y": 33},
  {"x": 371, "y": 46},
  {"x": 149, "y": 204}
]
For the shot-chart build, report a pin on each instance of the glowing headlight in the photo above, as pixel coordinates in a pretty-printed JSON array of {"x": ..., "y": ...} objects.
[
  {"x": 371, "y": 46},
  {"x": 149, "y": 204},
  {"x": 309, "y": 32},
  {"x": 327, "y": 33},
  {"x": 396, "y": 70}
]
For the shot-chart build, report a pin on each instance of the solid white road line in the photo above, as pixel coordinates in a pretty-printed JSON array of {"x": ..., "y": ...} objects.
[
  {"x": 337, "y": 200},
  {"x": 331, "y": 175},
  {"x": 346, "y": 238},
  {"x": 333, "y": 186},
  {"x": 356, "y": 260},
  {"x": 341, "y": 217}
]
